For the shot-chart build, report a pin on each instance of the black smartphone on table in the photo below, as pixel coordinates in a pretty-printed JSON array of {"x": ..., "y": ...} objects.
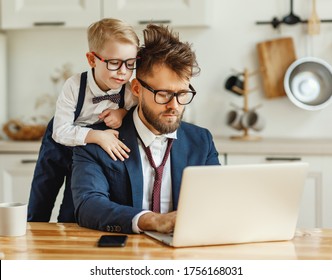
[{"x": 112, "y": 241}]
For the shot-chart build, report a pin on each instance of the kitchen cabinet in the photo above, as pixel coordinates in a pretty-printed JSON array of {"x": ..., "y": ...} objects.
[
  {"x": 17, "y": 14},
  {"x": 316, "y": 206},
  {"x": 16, "y": 172},
  {"x": 171, "y": 12},
  {"x": 3, "y": 80},
  {"x": 20, "y": 14}
]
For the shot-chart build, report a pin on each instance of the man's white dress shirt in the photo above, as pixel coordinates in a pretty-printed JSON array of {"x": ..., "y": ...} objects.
[{"x": 158, "y": 145}]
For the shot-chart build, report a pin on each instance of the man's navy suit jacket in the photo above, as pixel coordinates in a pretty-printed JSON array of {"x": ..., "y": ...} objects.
[{"x": 107, "y": 194}]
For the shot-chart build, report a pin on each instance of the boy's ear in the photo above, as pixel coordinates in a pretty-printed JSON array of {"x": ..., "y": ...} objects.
[{"x": 91, "y": 59}]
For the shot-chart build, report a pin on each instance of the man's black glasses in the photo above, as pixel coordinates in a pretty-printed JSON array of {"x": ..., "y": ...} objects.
[{"x": 163, "y": 96}]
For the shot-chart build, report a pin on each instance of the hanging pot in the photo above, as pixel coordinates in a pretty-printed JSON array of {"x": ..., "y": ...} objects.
[{"x": 308, "y": 83}]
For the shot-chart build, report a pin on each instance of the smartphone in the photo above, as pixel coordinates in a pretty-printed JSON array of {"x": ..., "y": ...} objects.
[{"x": 112, "y": 241}]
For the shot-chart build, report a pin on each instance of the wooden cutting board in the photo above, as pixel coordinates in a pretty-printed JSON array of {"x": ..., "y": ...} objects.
[{"x": 275, "y": 56}]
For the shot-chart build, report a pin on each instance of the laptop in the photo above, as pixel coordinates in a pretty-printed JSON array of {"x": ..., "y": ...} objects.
[{"x": 237, "y": 204}]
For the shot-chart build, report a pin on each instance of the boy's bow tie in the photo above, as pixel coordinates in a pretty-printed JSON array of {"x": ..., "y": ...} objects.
[{"x": 115, "y": 98}]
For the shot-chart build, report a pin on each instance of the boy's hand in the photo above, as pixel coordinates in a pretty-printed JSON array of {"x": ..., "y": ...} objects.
[
  {"x": 113, "y": 118},
  {"x": 108, "y": 140}
]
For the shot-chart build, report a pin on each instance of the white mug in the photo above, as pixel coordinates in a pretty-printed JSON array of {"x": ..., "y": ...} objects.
[
  {"x": 252, "y": 119},
  {"x": 234, "y": 119},
  {"x": 13, "y": 219}
]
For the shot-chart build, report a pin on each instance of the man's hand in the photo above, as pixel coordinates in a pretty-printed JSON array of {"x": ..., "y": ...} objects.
[{"x": 158, "y": 222}]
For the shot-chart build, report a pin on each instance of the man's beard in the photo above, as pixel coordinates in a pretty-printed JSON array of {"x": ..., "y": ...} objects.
[{"x": 154, "y": 120}]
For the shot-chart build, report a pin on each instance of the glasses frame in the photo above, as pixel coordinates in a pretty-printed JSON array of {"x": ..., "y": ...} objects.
[
  {"x": 176, "y": 94},
  {"x": 117, "y": 60}
]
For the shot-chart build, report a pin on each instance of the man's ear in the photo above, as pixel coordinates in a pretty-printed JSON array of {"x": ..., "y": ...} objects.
[
  {"x": 135, "y": 87},
  {"x": 91, "y": 59}
]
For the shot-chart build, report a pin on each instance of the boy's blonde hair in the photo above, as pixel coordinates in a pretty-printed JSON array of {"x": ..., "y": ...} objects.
[{"x": 108, "y": 28}]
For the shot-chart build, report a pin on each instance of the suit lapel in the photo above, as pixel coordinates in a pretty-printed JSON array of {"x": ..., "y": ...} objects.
[
  {"x": 127, "y": 134},
  {"x": 178, "y": 154}
]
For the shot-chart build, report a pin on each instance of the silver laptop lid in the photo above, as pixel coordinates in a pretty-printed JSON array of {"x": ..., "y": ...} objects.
[{"x": 238, "y": 204}]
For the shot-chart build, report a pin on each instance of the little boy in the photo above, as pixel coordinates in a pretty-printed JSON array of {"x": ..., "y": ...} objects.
[{"x": 101, "y": 95}]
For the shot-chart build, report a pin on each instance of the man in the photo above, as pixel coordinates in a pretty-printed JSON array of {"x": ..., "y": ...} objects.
[{"x": 118, "y": 196}]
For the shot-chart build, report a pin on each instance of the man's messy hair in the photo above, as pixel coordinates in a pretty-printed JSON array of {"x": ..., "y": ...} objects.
[{"x": 163, "y": 47}]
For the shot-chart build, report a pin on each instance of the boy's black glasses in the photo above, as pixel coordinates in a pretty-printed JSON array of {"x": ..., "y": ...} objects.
[
  {"x": 163, "y": 96},
  {"x": 115, "y": 64}
]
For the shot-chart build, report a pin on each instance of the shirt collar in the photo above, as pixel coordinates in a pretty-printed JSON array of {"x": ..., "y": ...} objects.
[
  {"x": 145, "y": 134},
  {"x": 95, "y": 89}
]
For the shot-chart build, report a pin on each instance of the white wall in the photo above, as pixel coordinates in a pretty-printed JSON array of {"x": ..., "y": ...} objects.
[{"x": 229, "y": 44}]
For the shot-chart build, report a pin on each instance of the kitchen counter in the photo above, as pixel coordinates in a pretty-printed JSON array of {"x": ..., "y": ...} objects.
[
  {"x": 273, "y": 146},
  {"x": 25, "y": 147},
  {"x": 224, "y": 146}
]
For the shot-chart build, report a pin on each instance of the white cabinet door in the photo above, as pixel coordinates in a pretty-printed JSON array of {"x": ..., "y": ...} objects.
[
  {"x": 327, "y": 192},
  {"x": 16, "y": 172},
  {"x": 316, "y": 206},
  {"x": 17, "y": 14},
  {"x": 170, "y": 12},
  {"x": 15, "y": 177},
  {"x": 3, "y": 81},
  {"x": 311, "y": 211}
]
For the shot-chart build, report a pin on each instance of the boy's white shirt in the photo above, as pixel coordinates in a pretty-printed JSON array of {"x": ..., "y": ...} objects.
[{"x": 70, "y": 133}]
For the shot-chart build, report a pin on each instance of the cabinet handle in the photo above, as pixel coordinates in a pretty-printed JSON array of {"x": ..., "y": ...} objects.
[
  {"x": 25, "y": 161},
  {"x": 46, "y": 23},
  {"x": 166, "y": 21},
  {"x": 282, "y": 158}
]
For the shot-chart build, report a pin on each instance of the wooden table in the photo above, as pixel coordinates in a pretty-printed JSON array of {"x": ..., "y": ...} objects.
[{"x": 69, "y": 241}]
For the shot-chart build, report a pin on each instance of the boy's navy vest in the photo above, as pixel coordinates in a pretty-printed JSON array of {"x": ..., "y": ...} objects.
[{"x": 53, "y": 168}]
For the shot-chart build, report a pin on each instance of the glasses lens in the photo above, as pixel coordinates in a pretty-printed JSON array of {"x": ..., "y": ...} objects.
[
  {"x": 131, "y": 63},
  {"x": 163, "y": 97},
  {"x": 185, "y": 98},
  {"x": 114, "y": 64}
]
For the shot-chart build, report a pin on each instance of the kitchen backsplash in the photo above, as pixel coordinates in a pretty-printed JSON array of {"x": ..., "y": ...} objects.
[{"x": 227, "y": 47}]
